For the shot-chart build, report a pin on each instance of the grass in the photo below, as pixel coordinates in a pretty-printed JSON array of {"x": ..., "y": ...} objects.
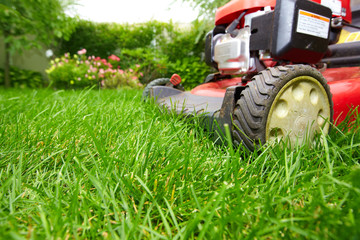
[{"x": 102, "y": 164}]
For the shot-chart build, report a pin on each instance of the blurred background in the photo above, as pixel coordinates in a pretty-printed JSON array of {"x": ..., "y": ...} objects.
[{"x": 158, "y": 37}]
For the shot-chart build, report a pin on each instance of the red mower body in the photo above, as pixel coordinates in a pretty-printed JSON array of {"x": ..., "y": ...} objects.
[
  {"x": 344, "y": 82},
  {"x": 279, "y": 71},
  {"x": 232, "y": 10},
  {"x": 344, "y": 85}
]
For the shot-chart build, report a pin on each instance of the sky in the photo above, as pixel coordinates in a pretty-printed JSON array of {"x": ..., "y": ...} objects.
[{"x": 135, "y": 11}]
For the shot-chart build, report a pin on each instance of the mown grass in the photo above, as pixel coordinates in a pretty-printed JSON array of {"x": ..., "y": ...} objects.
[{"x": 102, "y": 164}]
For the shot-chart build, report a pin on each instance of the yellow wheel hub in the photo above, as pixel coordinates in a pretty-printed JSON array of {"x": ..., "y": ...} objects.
[{"x": 300, "y": 109}]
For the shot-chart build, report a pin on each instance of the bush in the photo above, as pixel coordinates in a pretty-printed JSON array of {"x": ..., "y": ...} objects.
[
  {"x": 161, "y": 49},
  {"x": 79, "y": 71},
  {"x": 153, "y": 64},
  {"x": 104, "y": 39},
  {"x": 21, "y": 78},
  {"x": 191, "y": 70}
]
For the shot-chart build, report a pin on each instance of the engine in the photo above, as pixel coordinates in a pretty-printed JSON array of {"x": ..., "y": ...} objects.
[{"x": 292, "y": 31}]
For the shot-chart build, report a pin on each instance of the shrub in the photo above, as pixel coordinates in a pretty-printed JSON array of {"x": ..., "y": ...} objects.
[
  {"x": 153, "y": 64},
  {"x": 160, "y": 48},
  {"x": 79, "y": 71},
  {"x": 21, "y": 78},
  {"x": 192, "y": 70},
  {"x": 104, "y": 39}
]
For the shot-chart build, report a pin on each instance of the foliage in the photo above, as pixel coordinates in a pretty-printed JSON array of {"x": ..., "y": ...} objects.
[
  {"x": 27, "y": 23},
  {"x": 184, "y": 43},
  {"x": 104, "y": 39},
  {"x": 102, "y": 164},
  {"x": 79, "y": 71},
  {"x": 153, "y": 64},
  {"x": 191, "y": 69},
  {"x": 207, "y": 7},
  {"x": 22, "y": 78},
  {"x": 42, "y": 19},
  {"x": 160, "y": 48}
]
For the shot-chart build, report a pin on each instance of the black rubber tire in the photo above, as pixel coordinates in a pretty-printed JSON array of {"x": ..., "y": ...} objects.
[{"x": 251, "y": 112}]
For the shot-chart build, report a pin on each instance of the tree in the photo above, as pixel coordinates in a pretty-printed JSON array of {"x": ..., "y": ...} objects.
[
  {"x": 26, "y": 24},
  {"x": 207, "y": 7}
]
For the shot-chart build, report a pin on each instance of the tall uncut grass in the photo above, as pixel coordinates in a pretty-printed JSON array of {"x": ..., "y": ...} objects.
[{"x": 102, "y": 164}]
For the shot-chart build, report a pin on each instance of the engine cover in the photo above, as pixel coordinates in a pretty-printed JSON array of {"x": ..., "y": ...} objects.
[{"x": 232, "y": 54}]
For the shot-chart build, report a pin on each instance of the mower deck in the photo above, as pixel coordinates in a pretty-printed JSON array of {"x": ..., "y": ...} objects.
[{"x": 214, "y": 99}]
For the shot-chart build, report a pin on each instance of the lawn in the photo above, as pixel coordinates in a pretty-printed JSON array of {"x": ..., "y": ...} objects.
[{"x": 102, "y": 164}]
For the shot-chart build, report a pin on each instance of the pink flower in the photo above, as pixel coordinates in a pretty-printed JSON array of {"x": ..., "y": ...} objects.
[
  {"x": 114, "y": 57},
  {"x": 79, "y": 79},
  {"x": 93, "y": 76},
  {"x": 103, "y": 61},
  {"x": 86, "y": 76},
  {"x": 102, "y": 75},
  {"x": 102, "y": 82},
  {"x": 99, "y": 64},
  {"x": 97, "y": 59},
  {"x": 66, "y": 55},
  {"x": 110, "y": 66},
  {"x": 121, "y": 71},
  {"x": 137, "y": 65},
  {"x": 131, "y": 70},
  {"x": 134, "y": 78},
  {"x": 101, "y": 71},
  {"x": 82, "y": 51},
  {"x": 141, "y": 74}
]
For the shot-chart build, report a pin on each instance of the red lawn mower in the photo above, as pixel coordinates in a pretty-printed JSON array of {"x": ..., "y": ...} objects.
[{"x": 280, "y": 71}]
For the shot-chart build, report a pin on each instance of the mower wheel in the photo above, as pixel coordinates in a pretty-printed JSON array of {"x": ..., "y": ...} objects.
[
  {"x": 158, "y": 82},
  {"x": 287, "y": 101}
]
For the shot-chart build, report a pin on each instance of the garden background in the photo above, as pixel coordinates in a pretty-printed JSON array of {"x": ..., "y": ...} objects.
[{"x": 155, "y": 49}]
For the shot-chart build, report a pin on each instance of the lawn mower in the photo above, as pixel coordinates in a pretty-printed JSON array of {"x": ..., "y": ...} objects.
[{"x": 279, "y": 73}]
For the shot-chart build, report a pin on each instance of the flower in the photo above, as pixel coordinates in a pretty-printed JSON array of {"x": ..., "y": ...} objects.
[
  {"x": 131, "y": 70},
  {"x": 137, "y": 65},
  {"x": 82, "y": 51},
  {"x": 114, "y": 57}
]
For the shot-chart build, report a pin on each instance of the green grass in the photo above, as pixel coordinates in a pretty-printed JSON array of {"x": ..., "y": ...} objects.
[{"x": 102, "y": 164}]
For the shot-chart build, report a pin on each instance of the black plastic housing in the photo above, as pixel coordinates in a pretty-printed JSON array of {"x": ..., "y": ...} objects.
[{"x": 290, "y": 44}]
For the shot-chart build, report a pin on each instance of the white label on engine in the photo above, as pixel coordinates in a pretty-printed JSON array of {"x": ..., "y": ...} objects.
[
  {"x": 334, "y": 5},
  {"x": 313, "y": 24}
]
